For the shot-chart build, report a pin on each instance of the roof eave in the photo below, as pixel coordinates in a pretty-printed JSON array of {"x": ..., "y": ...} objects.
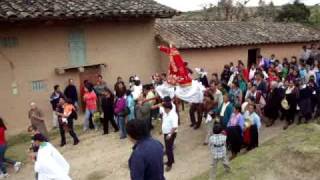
[
  {"x": 247, "y": 44},
  {"x": 111, "y": 15}
]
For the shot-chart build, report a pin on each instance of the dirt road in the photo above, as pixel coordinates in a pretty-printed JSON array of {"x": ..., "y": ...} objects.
[{"x": 100, "y": 157}]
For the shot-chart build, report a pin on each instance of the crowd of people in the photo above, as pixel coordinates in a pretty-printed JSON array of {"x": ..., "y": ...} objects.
[{"x": 234, "y": 106}]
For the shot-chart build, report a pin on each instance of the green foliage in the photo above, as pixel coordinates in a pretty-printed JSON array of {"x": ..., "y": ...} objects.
[
  {"x": 296, "y": 12},
  {"x": 266, "y": 12},
  {"x": 315, "y": 16}
]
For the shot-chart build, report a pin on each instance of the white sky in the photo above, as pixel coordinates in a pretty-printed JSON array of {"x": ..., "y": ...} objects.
[{"x": 188, "y": 5}]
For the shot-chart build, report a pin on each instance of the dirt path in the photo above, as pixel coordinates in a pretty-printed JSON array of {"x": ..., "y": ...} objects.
[{"x": 106, "y": 157}]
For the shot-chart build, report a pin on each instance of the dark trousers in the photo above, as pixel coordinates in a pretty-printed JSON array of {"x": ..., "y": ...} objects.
[
  {"x": 105, "y": 123},
  {"x": 71, "y": 132},
  {"x": 254, "y": 138},
  {"x": 289, "y": 115},
  {"x": 169, "y": 148},
  {"x": 91, "y": 125},
  {"x": 196, "y": 108}
]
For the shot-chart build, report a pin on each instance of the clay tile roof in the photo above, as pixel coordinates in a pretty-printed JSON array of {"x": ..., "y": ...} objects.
[
  {"x": 59, "y": 9},
  {"x": 209, "y": 34}
]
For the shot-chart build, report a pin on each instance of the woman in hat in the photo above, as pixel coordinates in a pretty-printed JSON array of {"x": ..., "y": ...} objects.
[
  {"x": 271, "y": 109},
  {"x": 289, "y": 104}
]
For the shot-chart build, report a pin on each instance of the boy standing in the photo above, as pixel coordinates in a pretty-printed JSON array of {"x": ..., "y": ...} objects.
[{"x": 217, "y": 143}]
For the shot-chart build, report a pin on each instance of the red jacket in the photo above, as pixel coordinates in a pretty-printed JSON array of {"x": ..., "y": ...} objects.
[
  {"x": 2, "y": 136},
  {"x": 245, "y": 74}
]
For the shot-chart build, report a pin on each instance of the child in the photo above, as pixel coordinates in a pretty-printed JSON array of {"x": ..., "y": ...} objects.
[{"x": 217, "y": 143}]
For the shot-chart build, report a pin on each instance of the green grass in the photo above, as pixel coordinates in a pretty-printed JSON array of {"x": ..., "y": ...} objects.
[
  {"x": 19, "y": 144},
  {"x": 296, "y": 151}
]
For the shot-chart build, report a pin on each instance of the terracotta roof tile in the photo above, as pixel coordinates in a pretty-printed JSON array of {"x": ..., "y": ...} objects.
[
  {"x": 211, "y": 34},
  {"x": 47, "y": 9}
]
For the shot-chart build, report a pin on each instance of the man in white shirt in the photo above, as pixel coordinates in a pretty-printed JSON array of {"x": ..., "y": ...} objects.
[
  {"x": 136, "y": 88},
  {"x": 50, "y": 164},
  {"x": 169, "y": 129}
]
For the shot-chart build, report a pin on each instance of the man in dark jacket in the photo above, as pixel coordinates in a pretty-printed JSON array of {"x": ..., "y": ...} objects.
[
  {"x": 146, "y": 160},
  {"x": 71, "y": 93}
]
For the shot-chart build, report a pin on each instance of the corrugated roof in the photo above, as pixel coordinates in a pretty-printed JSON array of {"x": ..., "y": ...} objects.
[
  {"x": 71, "y": 9},
  {"x": 212, "y": 34}
]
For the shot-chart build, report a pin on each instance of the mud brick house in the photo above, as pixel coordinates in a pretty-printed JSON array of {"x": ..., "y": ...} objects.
[
  {"x": 46, "y": 42},
  {"x": 211, "y": 45}
]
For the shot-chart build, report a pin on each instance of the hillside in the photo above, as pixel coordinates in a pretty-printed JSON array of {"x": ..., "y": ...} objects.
[
  {"x": 294, "y": 155},
  {"x": 217, "y": 14},
  {"x": 242, "y": 14}
]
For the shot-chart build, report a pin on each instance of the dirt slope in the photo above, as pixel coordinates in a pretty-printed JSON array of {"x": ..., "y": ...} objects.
[{"x": 105, "y": 157}]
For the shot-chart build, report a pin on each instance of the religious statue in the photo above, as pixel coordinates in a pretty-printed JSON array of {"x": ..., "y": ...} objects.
[{"x": 177, "y": 72}]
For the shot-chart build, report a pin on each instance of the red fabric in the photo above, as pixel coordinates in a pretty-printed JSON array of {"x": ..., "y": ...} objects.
[
  {"x": 2, "y": 136},
  {"x": 247, "y": 136},
  {"x": 90, "y": 98},
  {"x": 177, "y": 68},
  {"x": 273, "y": 78},
  {"x": 245, "y": 74}
]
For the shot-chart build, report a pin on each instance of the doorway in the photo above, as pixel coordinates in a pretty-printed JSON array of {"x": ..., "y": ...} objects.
[{"x": 252, "y": 56}]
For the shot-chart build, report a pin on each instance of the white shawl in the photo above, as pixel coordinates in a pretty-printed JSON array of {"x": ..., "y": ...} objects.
[{"x": 51, "y": 165}]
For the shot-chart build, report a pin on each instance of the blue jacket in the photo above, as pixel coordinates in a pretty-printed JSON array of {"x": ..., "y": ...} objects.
[
  {"x": 146, "y": 161},
  {"x": 131, "y": 104},
  {"x": 227, "y": 114}
]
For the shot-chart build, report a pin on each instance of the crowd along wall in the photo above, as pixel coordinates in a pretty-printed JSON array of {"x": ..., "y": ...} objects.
[
  {"x": 214, "y": 59},
  {"x": 126, "y": 47}
]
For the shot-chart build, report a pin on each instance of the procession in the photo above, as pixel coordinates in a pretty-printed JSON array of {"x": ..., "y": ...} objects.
[{"x": 127, "y": 90}]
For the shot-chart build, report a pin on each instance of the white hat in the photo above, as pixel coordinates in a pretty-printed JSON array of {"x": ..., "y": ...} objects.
[
  {"x": 198, "y": 70},
  {"x": 136, "y": 78}
]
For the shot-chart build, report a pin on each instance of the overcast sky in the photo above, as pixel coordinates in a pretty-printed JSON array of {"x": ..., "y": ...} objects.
[{"x": 188, "y": 5}]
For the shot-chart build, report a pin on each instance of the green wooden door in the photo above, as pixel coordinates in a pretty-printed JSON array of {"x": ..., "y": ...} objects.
[{"x": 77, "y": 48}]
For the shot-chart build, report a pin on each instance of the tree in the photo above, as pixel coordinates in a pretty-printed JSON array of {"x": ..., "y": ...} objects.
[
  {"x": 296, "y": 12},
  {"x": 262, "y": 9},
  {"x": 206, "y": 9},
  {"x": 315, "y": 16},
  {"x": 272, "y": 11},
  {"x": 225, "y": 10},
  {"x": 266, "y": 12}
]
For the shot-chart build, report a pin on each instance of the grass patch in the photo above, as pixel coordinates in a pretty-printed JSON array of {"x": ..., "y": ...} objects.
[
  {"x": 19, "y": 144},
  {"x": 292, "y": 155}
]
